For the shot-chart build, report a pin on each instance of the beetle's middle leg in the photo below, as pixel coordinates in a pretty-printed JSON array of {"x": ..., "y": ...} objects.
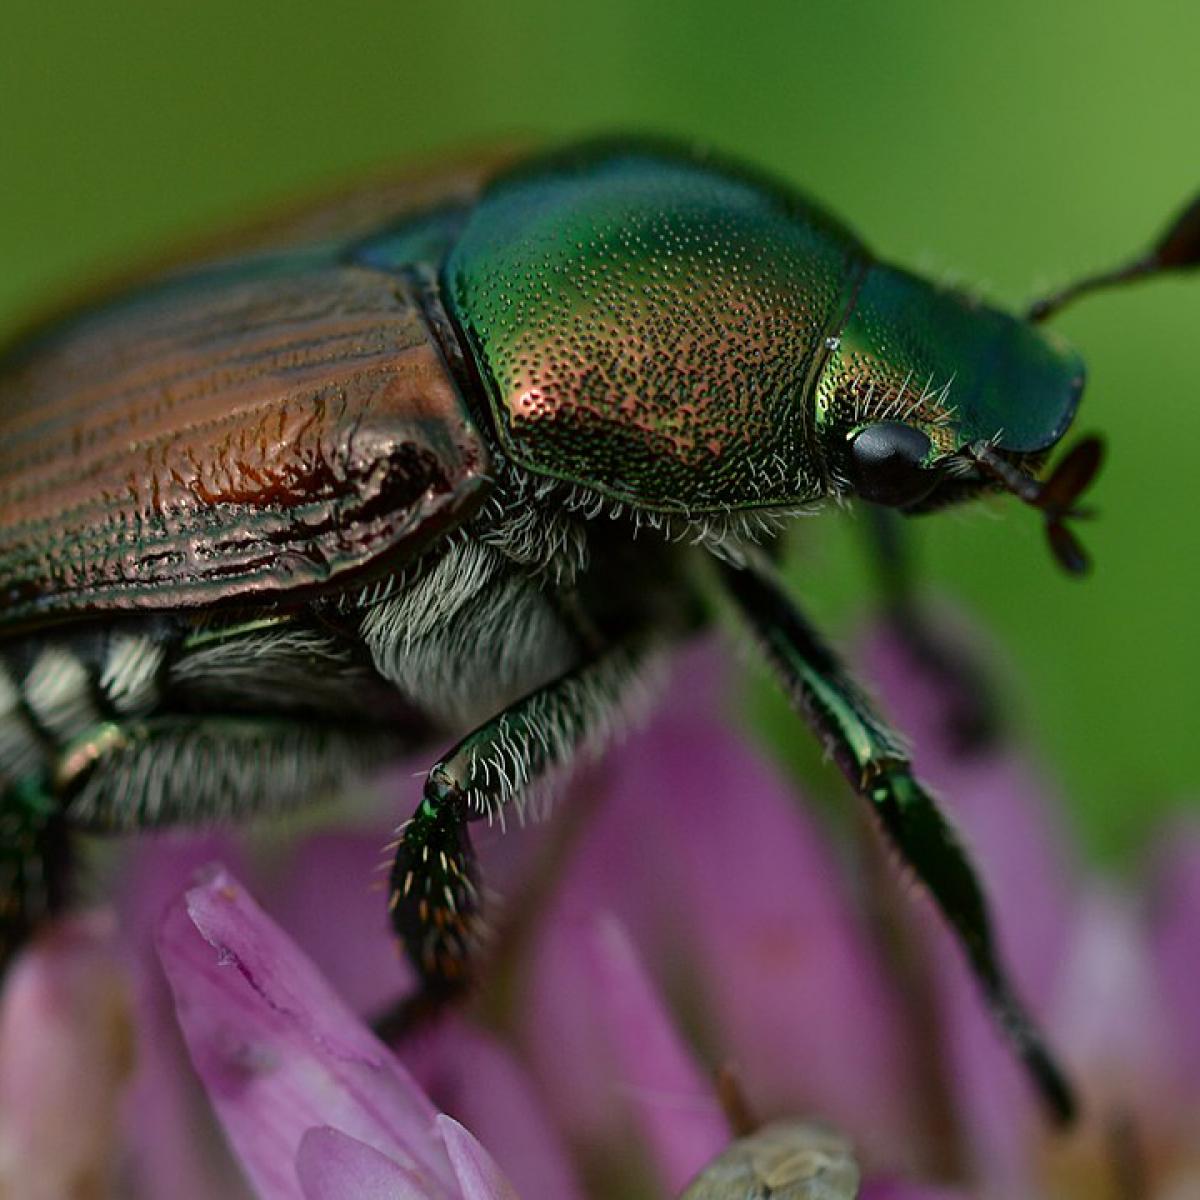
[
  {"x": 435, "y": 884},
  {"x": 874, "y": 761}
]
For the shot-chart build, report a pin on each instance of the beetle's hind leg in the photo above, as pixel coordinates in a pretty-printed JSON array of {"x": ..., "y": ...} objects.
[
  {"x": 189, "y": 770},
  {"x": 875, "y": 763},
  {"x": 435, "y": 884}
]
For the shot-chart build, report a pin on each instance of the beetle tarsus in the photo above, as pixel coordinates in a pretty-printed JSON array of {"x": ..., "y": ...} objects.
[
  {"x": 434, "y": 898},
  {"x": 435, "y": 885}
]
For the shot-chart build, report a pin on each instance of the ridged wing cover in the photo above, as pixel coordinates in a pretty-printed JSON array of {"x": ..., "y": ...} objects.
[{"x": 245, "y": 434}]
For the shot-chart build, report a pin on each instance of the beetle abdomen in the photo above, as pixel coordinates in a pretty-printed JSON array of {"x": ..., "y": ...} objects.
[
  {"x": 249, "y": 436},
  {"x": 648, "y": 323}
]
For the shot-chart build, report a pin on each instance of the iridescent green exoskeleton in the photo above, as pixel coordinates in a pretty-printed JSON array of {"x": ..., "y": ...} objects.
[{"x": 443, "y": 462}]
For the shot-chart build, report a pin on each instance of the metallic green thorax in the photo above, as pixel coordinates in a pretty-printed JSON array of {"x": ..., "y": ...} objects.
[
  {"x": 684, "y": 336},
  {"x": 647, "y": 325}
]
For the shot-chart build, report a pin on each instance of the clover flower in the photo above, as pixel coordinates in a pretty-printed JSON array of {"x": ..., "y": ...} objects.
[{"x": 692, "y": 912}]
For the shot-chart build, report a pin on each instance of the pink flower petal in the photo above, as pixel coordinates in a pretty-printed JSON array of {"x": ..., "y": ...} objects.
[
  {"x": 278, "y": 1051},
  {"x": 564, "y": 1045},
  {"x": 333, "y": 1166},
  {"x": 473, "y": 1077},
  {"x": 66, "y": 1054},
  {"x": 333, "y": 902},
  {"x": 736, "y": 901},
  {"x": 1176, "y": 948},
  {"x": 674, "y": 1105},
  {"x": 792, "y": 979},
  {"x": 1111, "y": 1018},
  {"x": 176, "y": 1147},
  {"x": 477, "y": 1172}
]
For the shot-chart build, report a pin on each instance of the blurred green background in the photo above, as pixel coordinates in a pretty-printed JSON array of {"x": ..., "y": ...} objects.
[{"x": 1007, "y": 147}]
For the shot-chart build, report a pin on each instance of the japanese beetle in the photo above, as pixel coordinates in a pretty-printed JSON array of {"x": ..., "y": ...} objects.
[{"x": 445, "y": 459}]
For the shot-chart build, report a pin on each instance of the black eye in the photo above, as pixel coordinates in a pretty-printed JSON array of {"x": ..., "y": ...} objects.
[{"x": 885, "y": 464}]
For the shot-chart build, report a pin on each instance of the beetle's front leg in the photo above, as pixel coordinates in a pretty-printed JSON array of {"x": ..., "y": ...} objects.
[
  {"x": 873, "y": 759},
  {"x": 435, "y": 886}
]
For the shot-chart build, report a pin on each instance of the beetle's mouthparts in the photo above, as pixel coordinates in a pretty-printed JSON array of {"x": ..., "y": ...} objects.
[{"x": 1055, "y": 496}]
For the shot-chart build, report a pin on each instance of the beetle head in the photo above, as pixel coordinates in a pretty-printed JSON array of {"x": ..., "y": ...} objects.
[{"x": 928, "y": 397}]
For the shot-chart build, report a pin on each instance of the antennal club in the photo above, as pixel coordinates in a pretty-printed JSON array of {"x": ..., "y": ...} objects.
[
  {"x": 1176, "y": 250},
  {"x": 1055, "y": 496}
]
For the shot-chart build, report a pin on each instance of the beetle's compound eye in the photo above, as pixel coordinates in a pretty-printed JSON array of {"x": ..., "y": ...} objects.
[{"x": 885, "y": 464}]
